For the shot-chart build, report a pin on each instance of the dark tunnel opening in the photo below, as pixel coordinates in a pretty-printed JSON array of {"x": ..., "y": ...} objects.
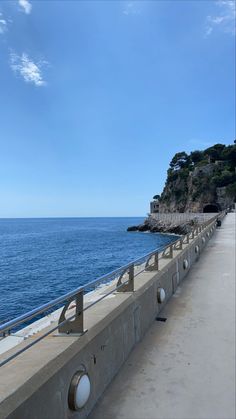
[{"x": 211, "y": 208}]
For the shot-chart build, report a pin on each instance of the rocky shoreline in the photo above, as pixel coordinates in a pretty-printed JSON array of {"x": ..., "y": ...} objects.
[{"x": 156, "y": 226}]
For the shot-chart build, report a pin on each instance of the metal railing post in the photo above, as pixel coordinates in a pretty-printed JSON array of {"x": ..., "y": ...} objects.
[
  {"x": 170, "y": 254},
  {"x": 156, "y": 261},
  {"x": 186, "y": 239},
  {"x": 155, "y": 265},
  {"x": 128, "y": 286},
  {"x": 179, "y": 245},
  {"x": 77, "y": 324},
  {"x": 131, "y": 278}
]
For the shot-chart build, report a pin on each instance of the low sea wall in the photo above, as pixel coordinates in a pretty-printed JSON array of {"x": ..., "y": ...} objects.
[{"x": 36, "y": 384}]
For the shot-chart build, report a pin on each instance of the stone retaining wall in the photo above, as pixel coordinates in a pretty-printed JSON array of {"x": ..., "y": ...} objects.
[{"x": 177, "y": 218}]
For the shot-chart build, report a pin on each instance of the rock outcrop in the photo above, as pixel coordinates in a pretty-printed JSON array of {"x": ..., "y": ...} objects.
[
  {"x": 199, "y": 179},
  {"x": 203, "y": 181},
  {"x": 156, "y": 226}
]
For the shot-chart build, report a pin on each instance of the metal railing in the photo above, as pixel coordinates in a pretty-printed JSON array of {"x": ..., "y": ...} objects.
[{"x": 125, "y": 275}]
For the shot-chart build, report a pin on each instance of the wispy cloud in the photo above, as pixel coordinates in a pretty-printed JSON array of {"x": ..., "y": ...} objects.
[
  {"x": 131, "y": 8},
  {"x": 26, "y": 6},
  {"x": 25, "y": 67},
  {"x": 3, "y": 24},
  {"x": 224, "y": 19}
]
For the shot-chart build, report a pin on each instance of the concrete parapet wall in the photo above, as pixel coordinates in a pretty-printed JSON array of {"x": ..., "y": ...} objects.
[{"x": 36, "y": 383}]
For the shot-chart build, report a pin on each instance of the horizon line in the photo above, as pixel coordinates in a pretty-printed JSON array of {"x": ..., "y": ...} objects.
[{"x": 58, "y": 217}]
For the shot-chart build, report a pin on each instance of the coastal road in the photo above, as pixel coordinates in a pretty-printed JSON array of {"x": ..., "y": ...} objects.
[{"x": 184, "y": 368}]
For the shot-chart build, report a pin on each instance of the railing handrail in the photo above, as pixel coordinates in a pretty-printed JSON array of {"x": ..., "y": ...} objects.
[
  {"x": 44, "y": 307},
  {"x": 7, "y": 326}
]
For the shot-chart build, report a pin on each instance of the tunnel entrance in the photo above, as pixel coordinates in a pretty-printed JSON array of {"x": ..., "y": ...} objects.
[{"x": 211, "y": 208}]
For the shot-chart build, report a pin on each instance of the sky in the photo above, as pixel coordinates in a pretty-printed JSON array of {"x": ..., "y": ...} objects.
[{"x": 97, "y": 96}]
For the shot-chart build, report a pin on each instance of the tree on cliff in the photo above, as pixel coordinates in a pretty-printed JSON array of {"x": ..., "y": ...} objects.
[
  {"x": 196, "y": 156},
  {"x": 229, "y": 153},
  {"x": 215, "y": 152},
  {"x": 192, "y": 181},
  {"x": 180, "y": 161}
]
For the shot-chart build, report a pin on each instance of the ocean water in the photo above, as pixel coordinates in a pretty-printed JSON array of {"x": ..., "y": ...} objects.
[{"x": 41, "y": 259}]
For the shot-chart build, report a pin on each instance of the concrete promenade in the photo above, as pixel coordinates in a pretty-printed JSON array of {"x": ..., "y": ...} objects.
[{"x": 184, "y": 368}]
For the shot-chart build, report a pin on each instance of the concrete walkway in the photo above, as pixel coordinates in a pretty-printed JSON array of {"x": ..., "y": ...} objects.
[{"x": 185, "y": 367}]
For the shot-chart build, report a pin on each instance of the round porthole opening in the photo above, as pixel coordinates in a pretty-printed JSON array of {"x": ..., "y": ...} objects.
[
  {"x": 79, "y": 390},
  {"x": 161, "y": 295},
  {"x": 185, "y": 264}
]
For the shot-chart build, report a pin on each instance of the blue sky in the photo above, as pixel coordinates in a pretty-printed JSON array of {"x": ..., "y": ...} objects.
[{"x": 97, "y": 96}]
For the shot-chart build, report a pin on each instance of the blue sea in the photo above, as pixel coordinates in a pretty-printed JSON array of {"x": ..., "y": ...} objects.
[{"x": 41, "y": 259}]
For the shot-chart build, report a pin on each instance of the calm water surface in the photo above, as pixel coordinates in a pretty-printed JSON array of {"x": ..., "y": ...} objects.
[{"x": 41, "y": 259}]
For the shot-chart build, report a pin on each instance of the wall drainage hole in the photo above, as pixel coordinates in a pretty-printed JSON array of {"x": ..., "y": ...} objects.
[{"x": 161, "y": 319}]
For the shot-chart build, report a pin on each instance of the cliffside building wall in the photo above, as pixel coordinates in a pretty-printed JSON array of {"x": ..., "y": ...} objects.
[{"x": 154, "y": 206}]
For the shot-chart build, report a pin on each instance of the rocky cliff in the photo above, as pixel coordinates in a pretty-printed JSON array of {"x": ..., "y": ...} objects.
[{"x": 200, "y": 179}]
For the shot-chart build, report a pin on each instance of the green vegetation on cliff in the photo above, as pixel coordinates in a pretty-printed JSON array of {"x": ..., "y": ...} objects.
[{"x": 199, "y": 178}]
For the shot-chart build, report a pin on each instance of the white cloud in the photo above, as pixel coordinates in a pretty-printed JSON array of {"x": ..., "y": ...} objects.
[
  {"x": 31, "y": 72},
  {"x": 131, "y": 8},
  {"x": 3, "y": 24},
  {"x": 209, "y": 29},
  {"x": 224, "y": 19},
  {"x": 26, "y": 6},
  {"x": 217, "y": 19}
]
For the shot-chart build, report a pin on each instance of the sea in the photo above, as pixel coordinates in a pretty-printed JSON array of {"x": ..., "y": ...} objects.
[{"x": 44, "y": 258}]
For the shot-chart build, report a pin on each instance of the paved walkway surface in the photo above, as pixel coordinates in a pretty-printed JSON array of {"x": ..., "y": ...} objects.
[{"x": 184, "y": 368}]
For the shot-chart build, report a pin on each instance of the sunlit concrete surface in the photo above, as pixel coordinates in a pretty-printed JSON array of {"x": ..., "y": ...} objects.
[{"x": 185, "y": 367}]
